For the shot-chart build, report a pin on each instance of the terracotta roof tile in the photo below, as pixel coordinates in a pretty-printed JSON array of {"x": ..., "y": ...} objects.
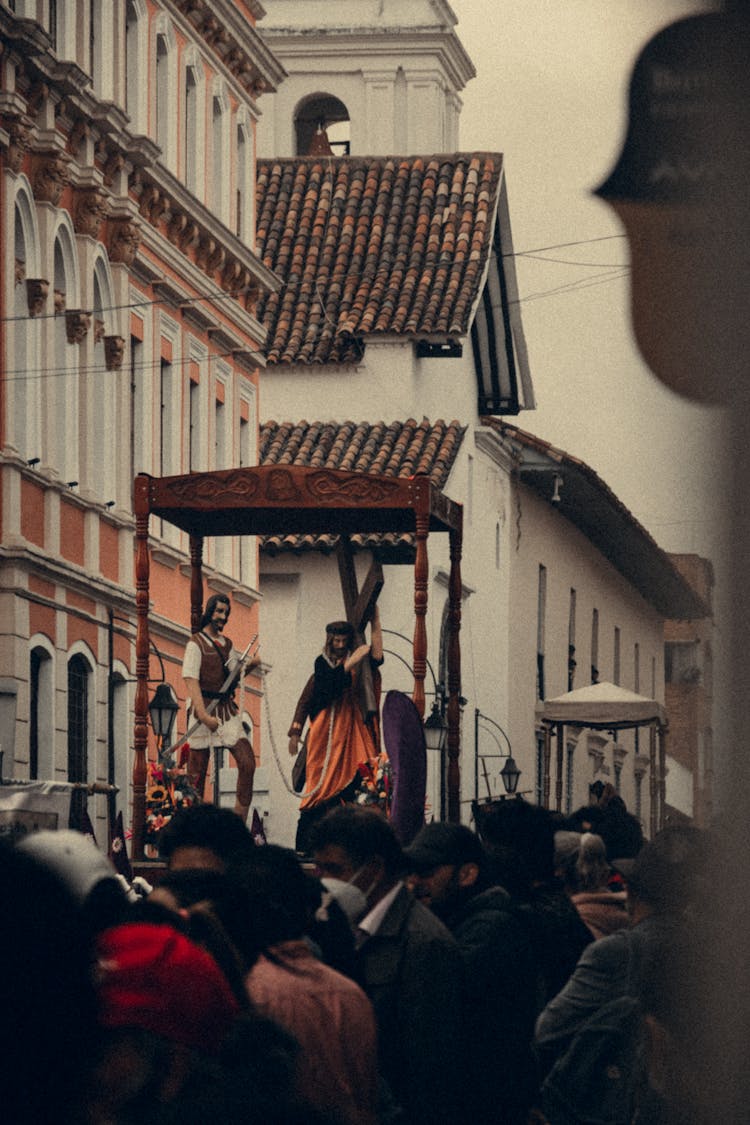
[
  {"x": 369, "y": 245},
  {"x": 400, "y": 449}
]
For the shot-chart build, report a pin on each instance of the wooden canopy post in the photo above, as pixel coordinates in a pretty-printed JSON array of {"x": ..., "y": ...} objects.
[
  {"x": 546, "y": 765},
  {"x": 196, "y": 582},
  {"x": 421, "y": 567},
  {"x": 454, "y": 676},
  {"x": 140, "y": 732},
  {"x": 662, "y": 737},
  {"x": 653, "y": 789},
  {"x": 560, "y": 765}
]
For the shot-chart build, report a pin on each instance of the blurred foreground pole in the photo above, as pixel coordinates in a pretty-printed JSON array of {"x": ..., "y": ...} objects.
[{"x": 680, "y": 188}]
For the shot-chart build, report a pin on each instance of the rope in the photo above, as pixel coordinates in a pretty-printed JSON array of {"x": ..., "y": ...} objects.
[{"x": 275, "y": 752}]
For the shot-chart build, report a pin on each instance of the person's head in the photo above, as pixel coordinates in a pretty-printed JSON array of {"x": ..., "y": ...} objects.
[
  {"x": 520, "y": 840},
  {"x": 49, "y": 1030},
  {"x": 339, "y": 639},
  {"x": 87, "y": 873},
  {"x": 358, "y": 845},
  {"x": 216, "y": 613},
  {"x": 165, "y": 1011},
  {"x": 447, "y": 865},
  {"x": 668, "y": 876},
  {"x": 592, "y": 868},
  {"x": 567, "y": 848},
  {"x": 204, "y": 836}
]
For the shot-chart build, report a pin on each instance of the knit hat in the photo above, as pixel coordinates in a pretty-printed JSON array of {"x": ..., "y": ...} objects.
[{"x": 154, "y": 978}]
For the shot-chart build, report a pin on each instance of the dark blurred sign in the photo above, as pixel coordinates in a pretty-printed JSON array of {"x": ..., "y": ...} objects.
[{"x": 688, "y": 96}]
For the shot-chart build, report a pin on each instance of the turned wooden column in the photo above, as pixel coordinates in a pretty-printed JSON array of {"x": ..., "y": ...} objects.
[
  {"x": 420, "y": 593},
  {"x": 140, "y": 730},
  {"x": 454, "y": 678},
  {"x": 196, "y": 582}
]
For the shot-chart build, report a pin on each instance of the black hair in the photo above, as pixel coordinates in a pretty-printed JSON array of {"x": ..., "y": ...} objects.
[
  {"x": 206, "y": 826},
  {"x": 363, "y": 833},
  {"x": 211, "y": 604},
  {"x": 520, "y": 841}
]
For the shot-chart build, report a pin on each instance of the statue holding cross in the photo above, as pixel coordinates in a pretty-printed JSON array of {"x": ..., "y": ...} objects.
[{"x": 340, "y": 701}]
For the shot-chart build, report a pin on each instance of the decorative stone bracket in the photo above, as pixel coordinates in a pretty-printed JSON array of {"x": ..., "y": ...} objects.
[
  {"x": 37, "y": 290},
  {"x": 77, "y": 324},
  {"x": 114, "y": 352}
]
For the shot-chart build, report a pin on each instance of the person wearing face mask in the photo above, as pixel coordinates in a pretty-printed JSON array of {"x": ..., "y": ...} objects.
[{"x": 409, "y": 965}]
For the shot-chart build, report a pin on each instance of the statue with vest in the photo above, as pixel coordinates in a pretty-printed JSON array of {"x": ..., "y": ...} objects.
[{"x": 208, "y": 661}]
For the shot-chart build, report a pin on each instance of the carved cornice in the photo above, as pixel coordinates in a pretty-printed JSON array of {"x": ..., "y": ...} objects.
[
  {"x": 229, "y": 35},
  {"x": 183, "y": 221}
]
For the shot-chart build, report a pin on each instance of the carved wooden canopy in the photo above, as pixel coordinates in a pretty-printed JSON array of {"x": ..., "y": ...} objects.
[
  {"x": 294, "y": 499},
  {"x": 298, "y": 499}
]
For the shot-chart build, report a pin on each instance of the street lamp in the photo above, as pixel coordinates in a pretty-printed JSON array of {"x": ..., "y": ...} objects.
[
  {"x": 162, "y": 711},
  {"x": 510, "y": 773},
  {"x": 435, "y": 727}
]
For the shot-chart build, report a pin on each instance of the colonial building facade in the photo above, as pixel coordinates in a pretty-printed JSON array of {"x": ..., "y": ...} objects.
[{"x": 129, "y": 343}]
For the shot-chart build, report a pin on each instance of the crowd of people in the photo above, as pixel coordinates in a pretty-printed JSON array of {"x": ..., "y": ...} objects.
[{"x": 518, "y": 973}]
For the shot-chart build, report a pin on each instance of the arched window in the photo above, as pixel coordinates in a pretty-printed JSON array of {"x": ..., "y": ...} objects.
[
  {"x": 244, "y": 194},
  {"x": 79, "y": 677},
  {"x": 121, "y": 732},
  {"x": 195, "y": 155},
  {"x": 64, "y": 391},
  {"x": 41, "y": 714},
  {"x": 136, "y": 66},
  {"x": 106, "y": 453},
  {"x": 23, "y": 388},
  {"x": 165, "y": 108},
  {"x": 220, "y": 116},
  {"x": 322, "y": 113}
]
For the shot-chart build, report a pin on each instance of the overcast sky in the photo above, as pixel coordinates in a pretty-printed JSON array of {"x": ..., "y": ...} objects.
[{"x": 550, "y": 93}]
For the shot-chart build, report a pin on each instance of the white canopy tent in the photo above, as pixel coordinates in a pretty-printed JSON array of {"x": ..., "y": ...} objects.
[{"x": 607, "y": 706}]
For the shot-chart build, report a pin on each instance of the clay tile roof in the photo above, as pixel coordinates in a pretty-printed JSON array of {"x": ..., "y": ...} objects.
[
  {"x": 400, "y": 449},
  {"x": 368, "y": 245}
]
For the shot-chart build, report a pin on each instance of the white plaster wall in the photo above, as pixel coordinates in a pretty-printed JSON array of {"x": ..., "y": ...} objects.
[
  {"x": 679, "y": 787},
  {"x": 538, "y": 535},
  {"x": 390, "y": 383}
]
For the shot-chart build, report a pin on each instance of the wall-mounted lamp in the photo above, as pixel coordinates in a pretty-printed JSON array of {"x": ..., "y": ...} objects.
[
  {"x": 162, "y": 711},
  {"x": 510, "y": 773},
  {"x": 110, "y": 504},
  {"x": 558, "y": 483},
  {"x": 72, "y": 483},
  {"x": 33, "y": 461}
]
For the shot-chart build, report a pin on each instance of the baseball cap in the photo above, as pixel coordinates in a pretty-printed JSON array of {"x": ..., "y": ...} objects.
[
  {"x": 441, "y": 843},
  {"x": 154, "y": 978}
]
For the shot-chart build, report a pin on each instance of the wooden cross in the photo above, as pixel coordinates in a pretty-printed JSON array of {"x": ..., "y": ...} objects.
[{"x": 358, "y": 607}]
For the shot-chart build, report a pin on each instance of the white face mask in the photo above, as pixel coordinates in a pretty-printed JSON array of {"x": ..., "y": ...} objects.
[{"x": 351, "y": 899}]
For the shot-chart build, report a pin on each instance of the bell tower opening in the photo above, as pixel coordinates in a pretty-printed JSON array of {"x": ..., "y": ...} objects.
[{"x": 322, "y": 126}]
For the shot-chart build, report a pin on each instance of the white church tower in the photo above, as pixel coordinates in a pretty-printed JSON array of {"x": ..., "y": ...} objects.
[{"x": 380, "y": 77}]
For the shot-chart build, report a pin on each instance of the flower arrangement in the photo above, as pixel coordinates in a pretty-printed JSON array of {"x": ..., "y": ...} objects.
[
  {"x": 375, "y": 783},
  {"x": 168, "y": 789}
]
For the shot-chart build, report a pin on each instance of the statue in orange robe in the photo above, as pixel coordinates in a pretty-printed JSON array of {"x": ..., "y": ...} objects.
[{"x": 340, "y": 738}]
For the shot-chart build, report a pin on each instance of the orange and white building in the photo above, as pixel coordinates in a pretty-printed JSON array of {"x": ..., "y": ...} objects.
[{"x": 129, "y": 344}]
